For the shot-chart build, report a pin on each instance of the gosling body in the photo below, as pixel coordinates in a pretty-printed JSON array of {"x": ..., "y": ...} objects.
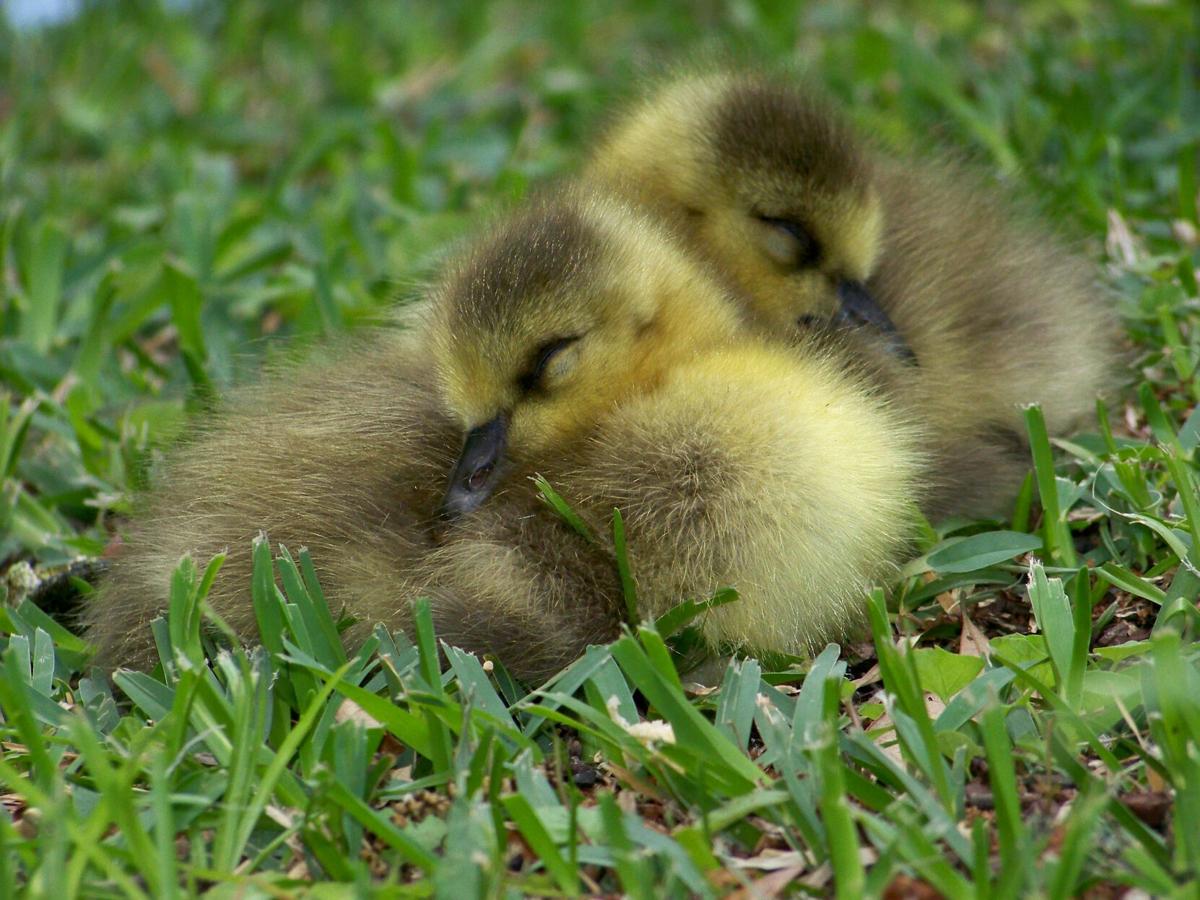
[
  {"x": 346, "y": 456},
  {"x": 580, "y": 342},
  {"x": 735, "y": 461},
  {"x": 336, "y": 456}
]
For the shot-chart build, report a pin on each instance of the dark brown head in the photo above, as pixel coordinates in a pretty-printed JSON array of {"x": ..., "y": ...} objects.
[
  {"x": 567, "y": 307},
  {"x": 763, "y": 178}
]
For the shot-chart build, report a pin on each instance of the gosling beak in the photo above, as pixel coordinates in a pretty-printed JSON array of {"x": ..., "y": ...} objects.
[
  {"x": 860, "y": 308},
  {"x": 476, "y": 472}
]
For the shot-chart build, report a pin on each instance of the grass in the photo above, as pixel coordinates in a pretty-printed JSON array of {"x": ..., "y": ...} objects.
[{"x": 182, "y": 189}]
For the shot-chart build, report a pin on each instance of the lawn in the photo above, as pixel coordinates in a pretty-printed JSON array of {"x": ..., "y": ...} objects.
[{"x": 187, "y": 191}]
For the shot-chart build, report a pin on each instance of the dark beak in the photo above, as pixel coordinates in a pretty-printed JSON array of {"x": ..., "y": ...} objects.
[
  {"x": 476, "y": 472},
  {"x": 859, "y": 308}
]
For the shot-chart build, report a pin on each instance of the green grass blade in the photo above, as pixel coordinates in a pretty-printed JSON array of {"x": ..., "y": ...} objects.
[
  {"x": 526, "y": 819},
  {"x": 1052, "y": 610},
  {"x": 1056, "y": 536},
  {"x": 44, "y": 285},
  {"x": 564, "y": 510},
  {"x": 1010, "y": 831},
  {"x": 848, "y": 873},
  {"x": 439, "y": 738},
  {"x": 628, "y": 586},
  {"x": 691, "y": 728}
]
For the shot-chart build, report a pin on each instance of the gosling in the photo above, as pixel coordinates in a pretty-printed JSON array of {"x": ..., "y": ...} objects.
[
  {"x": 581, "y": 341},
  {"x": 965, "y": 308}
]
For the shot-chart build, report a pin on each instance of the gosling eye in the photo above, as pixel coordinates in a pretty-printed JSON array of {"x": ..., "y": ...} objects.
[
  {"x": 791, "y": 244},
  {"x": 534, "y": 377}
]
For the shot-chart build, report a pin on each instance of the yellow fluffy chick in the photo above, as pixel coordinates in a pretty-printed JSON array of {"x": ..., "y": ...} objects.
[
  {"x": 581, "y": 341},
  {"x": 810, "y": 224}
]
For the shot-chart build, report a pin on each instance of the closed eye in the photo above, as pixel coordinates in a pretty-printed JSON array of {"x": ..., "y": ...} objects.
[
  {"x": 531, "y": 378},
  {"x": 805, "y": 249}
]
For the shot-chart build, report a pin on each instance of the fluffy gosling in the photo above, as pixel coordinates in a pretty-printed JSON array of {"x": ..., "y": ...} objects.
[
  {"x": 807, "y": 222},
  {"x": 581, "y": 341},
  {"x": 577, "y": 341}
]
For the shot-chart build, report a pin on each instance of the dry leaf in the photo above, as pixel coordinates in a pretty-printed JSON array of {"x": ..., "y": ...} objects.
[
  {"x": 769, "y": 885},
  {"x": 972, "y": 641},
  {"x": 1120, "y": 243},
  {"x": 948, "y": 600},
  {"x": 769, "y": 860},
  {"x": 871, "y": 676},
  {"x": 349, "y": 711}
]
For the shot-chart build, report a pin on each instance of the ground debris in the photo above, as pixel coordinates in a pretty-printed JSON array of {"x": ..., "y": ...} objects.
[{"x": 1149, "y": 806}]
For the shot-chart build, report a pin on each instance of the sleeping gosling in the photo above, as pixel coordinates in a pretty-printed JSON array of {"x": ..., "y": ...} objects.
[
  {"x": 581, "y": 342},
  {"x": 809, "y": 224}
]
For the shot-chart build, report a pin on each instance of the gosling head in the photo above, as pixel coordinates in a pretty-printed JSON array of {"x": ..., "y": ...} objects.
[
  {"x": 564, "y": 310},
  {"x": 762, "y": 178}
]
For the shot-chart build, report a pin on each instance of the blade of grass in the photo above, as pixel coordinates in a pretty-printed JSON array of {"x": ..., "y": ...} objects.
[
  {"x": 900, "y": 678},
  {"x": 44, "y": 283},
  {"x": 631, "y": 869},
  {"x": 439, "y": 737},
  {"x": 691, "y": 728},
  {"x": 1056, "y": 536},
  {"x": 628, "y": 587},
  {"x": 271, "y": 775},
  {"x": 1052, "y": 610},
  {"x": 848, "y": 872},
  {"x": 1010, "y": 831},
  {"x": 379, "y": 825},
  {"x": 739, "y": 694},
  {"x": 526, "y": 819},
  {"x": 564, "y": 510}
]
